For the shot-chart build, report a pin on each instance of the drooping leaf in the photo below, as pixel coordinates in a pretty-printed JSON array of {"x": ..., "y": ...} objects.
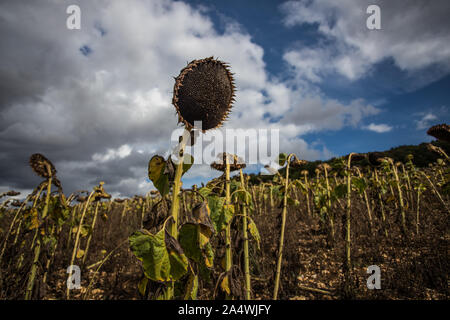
[
  {"x": 156, "y": 167},
  {"x": 80, "y": 253},
  {"x": 142, "y": 286},
  {"x": 191, "y": 287},
  {"x": 195, "y": 244},
  {"x": 224, "y": 285},
  {"x": 254, "y": 231},
  {"x": 201, "y": 215},
  {"x": 187, "y": 162},
  {"x": 160, "y": 263},
  {"x": 85, "y": 230},
  {"x": 188, "y": 237},
  {"x": 34, "y": 219}
]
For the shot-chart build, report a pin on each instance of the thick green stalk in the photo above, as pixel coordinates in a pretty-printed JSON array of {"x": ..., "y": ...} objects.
[
  {"x": 366, "y": 200},
  {"x": 69, "y": 237},
  {"x": 228, "y": 253},
  {"x": 176, "y": 190},
  {"x": 283, "y": 224},
  {"x": 37, "y": 248},
  {"x": 417, "y": 212},
  {"x": 330, "y": 214},
  {"x": 307, "y": 195},
  {"x": 32, "y": 277},
  {"x": 77, "y": 239},
  {"x": 125, "y": 207},
  {"x": 348, "y": 260},
  {"x": 10, "y": 229},
  {"x": 92, "y": 232},
  {"x": 400, "y": 196},
  {"x": 436, "y": 192},
  {"x": 176, "y": 202},
  {"x": 383, "y": 216},
  {"x": 245, "y": 232}
]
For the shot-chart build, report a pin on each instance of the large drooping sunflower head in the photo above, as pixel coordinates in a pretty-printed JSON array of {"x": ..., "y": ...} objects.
[
  {"x": 440, "y": 132},
  {"x": 39, "y": 165},
  {"x": 204, "y": 91}
]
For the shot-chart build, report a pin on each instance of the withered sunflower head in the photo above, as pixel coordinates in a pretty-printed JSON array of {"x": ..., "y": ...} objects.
[
  {"x": 440, "y": 132},
  {"x": 375, "y": 158},
  {"x": 356, "y": 157},
  {"x": 204, "y": 91},
  {"x": 324, "y": 166},
  {"x": 234, "y": 161},
  {"x": 296, "y": 163},
  {"x": 39, "y": 165}
]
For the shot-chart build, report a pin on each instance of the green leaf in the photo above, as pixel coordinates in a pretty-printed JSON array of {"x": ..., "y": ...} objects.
[
  {"x": 222, "y": 216},
  {"x": 187, "y": 164},
  {"x": 195, "y": 243},
  {"x": 160, "y": 261},
  {"x": 254, "y": 231},
  {"x": 156, "y": 167},
  {"x": 143, "y": 285},
  {"x": 85, "y": 230},
  {"x": 359, "y": 184},
  {"x": 188, "y": 237},
  {"x": 191, "y": 288},
  {"x": 219, "y": 215},
  {"x": 340, "y": 191},
  {"x": 208, "y": 254},
  {"x": 292, "y": 202},
  {"x": 205, "y": 191}
]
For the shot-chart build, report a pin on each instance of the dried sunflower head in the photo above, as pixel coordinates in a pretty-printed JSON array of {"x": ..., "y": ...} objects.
[
  {"x": 296, "y": 163},
  {"x": 356, "y": 157},
  {"x": 440, "y": 132},
  {"x": 100, "y": 192},
  {"x": 39, "y": 164},
  {"x": 234, "y": 161},
  {"x": 375, "y": 158},
  {"x": 204, "y": 91},
  {"x": 12, "y": 193},
  {"x": 324, "y": 166},
  {"x": 16, "y": 203}
]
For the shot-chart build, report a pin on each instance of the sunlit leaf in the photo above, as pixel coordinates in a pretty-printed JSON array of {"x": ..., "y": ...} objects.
[{"x": 160, "y": 263}]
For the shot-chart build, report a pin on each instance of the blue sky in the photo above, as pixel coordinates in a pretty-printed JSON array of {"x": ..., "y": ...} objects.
[
  {"x": 97, "y": 101},
  {"x": 402, "y": 102}
]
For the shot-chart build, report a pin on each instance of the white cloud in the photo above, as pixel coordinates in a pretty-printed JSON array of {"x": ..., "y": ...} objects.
[
  {"x": 415, "y": 36},
  {"x": 379, "y": 128},
  {"x": 112, "y": 154},
  {"x": 425, "y": 121}
]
